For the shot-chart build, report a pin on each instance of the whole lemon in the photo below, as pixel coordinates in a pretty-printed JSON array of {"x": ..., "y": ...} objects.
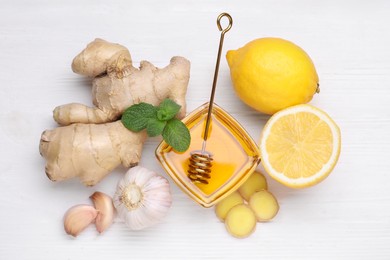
[{"x": 270, "y": 74}]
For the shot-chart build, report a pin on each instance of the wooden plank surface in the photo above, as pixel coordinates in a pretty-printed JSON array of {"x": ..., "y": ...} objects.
[{"x": 347, "y": 216}]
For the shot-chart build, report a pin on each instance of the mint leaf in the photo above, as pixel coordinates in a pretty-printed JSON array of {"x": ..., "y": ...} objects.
[
  {"x": 155, "y": 127},
  {"x": 136, "y": 117},
  {"x": 159, "y": 120},
  {"x": 167, "y": 110},
  {"x": 176, "y": 134}
]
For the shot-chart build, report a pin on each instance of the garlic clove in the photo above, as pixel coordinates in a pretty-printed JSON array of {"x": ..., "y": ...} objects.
[
  {"x": 78, "y": 217},
  {"x": 105, "y": 210}
]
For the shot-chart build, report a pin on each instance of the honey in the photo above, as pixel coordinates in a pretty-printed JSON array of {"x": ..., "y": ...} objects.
[{"x": 235, "y": 155}]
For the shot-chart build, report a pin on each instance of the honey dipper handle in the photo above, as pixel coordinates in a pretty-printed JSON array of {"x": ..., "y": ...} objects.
[
  {"x": 223, "y": 31},
  {"x": 211, "y": 102}
]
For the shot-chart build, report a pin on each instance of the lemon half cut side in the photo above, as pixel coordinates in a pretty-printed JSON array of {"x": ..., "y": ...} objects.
[{"x": 300, "y": 146}]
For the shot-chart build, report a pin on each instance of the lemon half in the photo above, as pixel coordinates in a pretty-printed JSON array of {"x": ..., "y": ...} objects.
[{"x": 300, "y": 146}]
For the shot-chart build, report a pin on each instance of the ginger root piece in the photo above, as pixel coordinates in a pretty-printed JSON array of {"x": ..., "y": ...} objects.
[
  {"x": 256, "y": 182},
  {"x": 264, "y": 205},
  {"x": 91, "y": 142},
  {"x": 222, "y": 208},
  {"x": 118, "y": 85},
  {"x": 89, "y": 151},
  {"x": 240, "y": 221}
]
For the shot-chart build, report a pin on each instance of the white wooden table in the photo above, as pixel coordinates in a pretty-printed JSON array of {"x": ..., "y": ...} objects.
[{"x": 347, "y": 216}]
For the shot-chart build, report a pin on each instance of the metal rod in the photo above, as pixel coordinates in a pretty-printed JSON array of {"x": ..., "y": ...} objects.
[{"x": 223, "y": 31}]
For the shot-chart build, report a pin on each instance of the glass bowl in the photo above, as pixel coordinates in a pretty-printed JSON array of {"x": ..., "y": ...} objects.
[{"x": 235, "y": 156}]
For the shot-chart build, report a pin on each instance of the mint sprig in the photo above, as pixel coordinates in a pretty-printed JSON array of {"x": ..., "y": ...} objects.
[{"x": 159, "y": 120}]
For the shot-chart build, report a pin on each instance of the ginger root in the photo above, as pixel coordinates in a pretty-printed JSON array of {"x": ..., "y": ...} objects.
[
  {"x": 117, "y": 84},
  {"x": 91, "y": 143}
]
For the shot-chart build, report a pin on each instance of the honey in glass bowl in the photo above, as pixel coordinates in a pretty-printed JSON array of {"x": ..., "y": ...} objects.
[{"x": 235, "y": 156}]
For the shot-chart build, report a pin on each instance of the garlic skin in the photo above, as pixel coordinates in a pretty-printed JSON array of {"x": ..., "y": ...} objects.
[
  {"x": 78, "y": 217},
  {"x": 142, "y": 198},
  {"x": 105, "y": 208}
]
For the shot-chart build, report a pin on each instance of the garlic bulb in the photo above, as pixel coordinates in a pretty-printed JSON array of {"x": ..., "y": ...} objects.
[{"x": 142, "y": 198}]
